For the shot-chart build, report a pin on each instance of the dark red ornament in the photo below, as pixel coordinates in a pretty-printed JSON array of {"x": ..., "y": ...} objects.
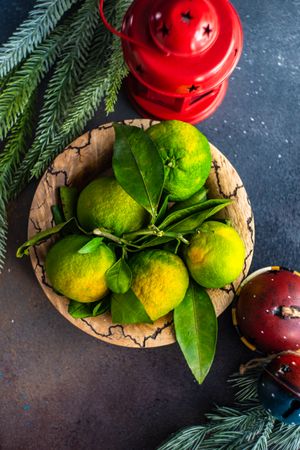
[
  {"x": 180, "y": 54},
  {"x": 279, "y": 388},
  {"x": 267, "y": 310}
]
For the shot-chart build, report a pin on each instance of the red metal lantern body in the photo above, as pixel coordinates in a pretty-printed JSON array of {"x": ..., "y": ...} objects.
[{"x": 180, "y": 55}]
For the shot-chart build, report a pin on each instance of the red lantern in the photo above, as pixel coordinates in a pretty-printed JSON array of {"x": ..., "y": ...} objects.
[{"x": 180, "y": 54}]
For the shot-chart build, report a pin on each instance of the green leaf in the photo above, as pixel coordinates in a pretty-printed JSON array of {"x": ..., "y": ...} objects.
[
  {"x": 102, "y": 307},
  {"x": 194, "y": 221},
  {"x": 80, "y": 310},
  {"x": 138, "y": 166},
  {"x": 163, "y": 209},
  {"x": 199, "y": 197},
  {"x": 196, "y": 330},
  {"x": 91, "y": 246},
  {"x": 41, "y": 236},
  {"x": 68, "y": 197},
  {"x": 127, "y": 308},
  {"x": 175, "y": 216},
  {"x": 57, "y": 214},
  {"x": 119, "y": 277},
  {"x": 188, "y": 225}
]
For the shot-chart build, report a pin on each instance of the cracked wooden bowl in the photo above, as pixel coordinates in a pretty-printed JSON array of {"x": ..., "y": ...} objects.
[{"x": 83, "y": 160}]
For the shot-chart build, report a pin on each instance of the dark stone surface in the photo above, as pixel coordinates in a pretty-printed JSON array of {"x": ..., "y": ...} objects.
[{"x": 62, "y": 389}]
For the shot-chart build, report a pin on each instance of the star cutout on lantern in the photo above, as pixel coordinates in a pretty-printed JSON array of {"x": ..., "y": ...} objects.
[
  {"x": 193, "y": 88},
  {"x": 207, "y": 30},
  {"x": 164, "y": 30},
  {"x": 186, "y": 17},
  {"x": 139, "y": 68}
]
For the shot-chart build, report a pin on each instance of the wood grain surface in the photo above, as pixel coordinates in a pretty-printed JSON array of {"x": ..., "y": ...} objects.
[{"x": 84, "y": 159}]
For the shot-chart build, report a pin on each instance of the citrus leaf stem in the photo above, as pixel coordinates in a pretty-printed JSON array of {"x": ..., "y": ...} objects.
[
  {"x": 151, "y": 231},
  {"x": 106, "y": 234},
  {"x": 112, "y": 237},
  {"x": 154, "y": 231}
]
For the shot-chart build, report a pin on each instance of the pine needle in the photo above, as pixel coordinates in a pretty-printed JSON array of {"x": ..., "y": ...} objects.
[
  {"x": 187, "y": 439},
  {"x": 18, "y": 88},
  {"x": 285, "y": 437},
  {"x": 9, "y": 161},
  {"x": 95, "y": 83},
  {"x": 42, "y": 20},
  {"x": 117, "y": 69},
  {"x": 15, "y": 147},
  {"x": 246, "y": 385},
  {"x": 81, "y": 108},
  {"x": 243, "y": 427},
  {"x": 61, "y": 87}
]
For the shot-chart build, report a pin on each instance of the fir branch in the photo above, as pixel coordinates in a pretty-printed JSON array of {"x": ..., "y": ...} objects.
[
  {"x": 236, "y": 429},
  {"x": 285, "y": 437},
  {"x": 117, "y": 68},
  {"x": 85, "y": 102},
  {"x": 115, "y": 78},
  {"x": 243, "y": 427},
  {"x": 61, "y": 87},
  {"x": 15, "y": 147},
  {"x": 187, "y": 439},
  {"x": 42, "y": 20},
  {"x": 246, "y": 385},
  {"x": 261, "y": 443},
  {"x": 20, "y": 85},
  {"x": 95, "y": 82},
  {"x": 9, "y": 160},
  {"x": 67, "y": 73}
]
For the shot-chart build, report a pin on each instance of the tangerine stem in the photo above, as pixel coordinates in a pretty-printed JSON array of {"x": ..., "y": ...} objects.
[
  {"x": 144, "y": 232},
  {"x": 112, "y": 237}
]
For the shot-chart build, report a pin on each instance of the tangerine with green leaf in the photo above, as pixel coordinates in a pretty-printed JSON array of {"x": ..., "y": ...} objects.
[
  {"x": 79, "y": 276},
  {"x": 215, "y": 255},
  {"x": 186, "y": 156},
  {"x": 103, "y": 203},
  {"x": 159, "y": 280}
]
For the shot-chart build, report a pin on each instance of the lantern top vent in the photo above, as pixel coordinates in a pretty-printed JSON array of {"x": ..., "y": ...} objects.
[
  {"x": 181, "y": 47},
  {"x": 183, "y": 27}
]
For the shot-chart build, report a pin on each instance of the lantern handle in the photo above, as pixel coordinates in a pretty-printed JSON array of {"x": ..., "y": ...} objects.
[{"x": 116, "y": 32}]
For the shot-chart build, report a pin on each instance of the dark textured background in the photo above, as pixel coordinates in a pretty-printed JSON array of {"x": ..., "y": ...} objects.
[{"x": 62, "y": 389}]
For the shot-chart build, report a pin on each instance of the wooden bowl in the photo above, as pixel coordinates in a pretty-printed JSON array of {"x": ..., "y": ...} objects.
[{"x": 83, "y": 160}]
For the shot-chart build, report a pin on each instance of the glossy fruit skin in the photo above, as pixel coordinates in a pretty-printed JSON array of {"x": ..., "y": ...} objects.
[
  {"x": 279, "y": 388},
  {"x": 186, "y": 155},
  {"x": 215, "y": 255},
  {"x": 159, "y": 280},
  {"x": 264, "y": 310},
  {"x": 104, "y": 203},
  {"x": 80, "y": 277}
]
